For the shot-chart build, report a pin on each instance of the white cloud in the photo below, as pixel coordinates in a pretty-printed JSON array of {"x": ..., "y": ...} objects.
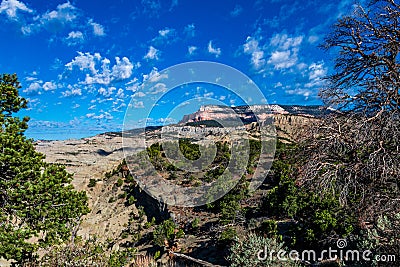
[
  {"x": 285, "y": 53},
  {"x": 64, "y": 16},
  {"x": 138, "y": 104},
  {"x": 11, "y": 7},
  {"x": 257, "y": 55},
  {"x": 97, "y": 69},
  {"x": 49, "y": 86},
  {"x": 33, "y": 88},
  {"x": 166, "y": 35},
  {"x": 139, "y": 94},
  {"x": 65, "y": 13},
  {"x": 191, "y": 49},
  {"x": 236, "y": 11},
  {"x": 214, "y": 50},
  {"x": 85, "y": 61},
  {"x": 283, "y": 59},
  {"x": 106, "y": 92},
  {"x": 92, "y": 107},
  {"x": 120, "y": 94},
  {"x": 75, "y": 37},
  {"x": 316, "y": 72},
  {"x": 158, "y": 88},
  {"x": 103, "y": 116},
  {"x": 122, "y": 69},
  {"x": 154, "y": 76},
  {"x": 72, "y": 92},
  {"x": 153, "y": 53},
  {"x": 165, "y": 32},
  {"x": 98, "y": 29},
  {"x": 284, "y": 42},
  {"x": 300, "y": 91}
]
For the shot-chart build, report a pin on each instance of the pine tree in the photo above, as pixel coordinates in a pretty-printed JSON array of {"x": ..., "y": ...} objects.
[{"x": 38, "y": 204}]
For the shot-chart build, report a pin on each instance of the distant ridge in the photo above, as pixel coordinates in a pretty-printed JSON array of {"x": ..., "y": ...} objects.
[{"x": 246, "y": 113}]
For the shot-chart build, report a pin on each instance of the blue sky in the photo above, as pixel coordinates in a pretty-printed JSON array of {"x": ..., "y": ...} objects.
[{"x": 82, "y": 62}]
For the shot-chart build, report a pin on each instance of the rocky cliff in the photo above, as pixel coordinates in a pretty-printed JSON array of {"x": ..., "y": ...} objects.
[{"x": 250, "y": 113}]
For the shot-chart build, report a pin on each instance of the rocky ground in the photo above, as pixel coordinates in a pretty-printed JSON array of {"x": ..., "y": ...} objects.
[{"x": 92, "y": 157}]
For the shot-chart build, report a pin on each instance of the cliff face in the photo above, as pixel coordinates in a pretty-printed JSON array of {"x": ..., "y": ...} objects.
[{"x": 247, "y": 113}]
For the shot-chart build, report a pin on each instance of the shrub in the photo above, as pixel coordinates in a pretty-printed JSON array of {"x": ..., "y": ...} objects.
[
  {"x": 131, "y": 200},
  {"x": 120, "y": 182},
  {"x": 166, "y": 232},
  {"x": 244, "y": 252},
  {"x": 228, "y": 235},
  {"x": 92, "y": 183}
]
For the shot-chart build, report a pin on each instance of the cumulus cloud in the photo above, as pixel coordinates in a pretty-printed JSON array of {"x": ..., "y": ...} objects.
[
  {"x": 102, "y": 116},
  {"x": 106, "y": 92},
  {"x": 122, "y": 69},
  {"x": 98, "y": 69},
  {"x": 165, "y": 32},
  {"x": 158, "y": 88},
  {"x": 154, "y": 76},
  {"x": 139, "y": 94},
  {"x": 138, "y": 104},
  {"x": 283, "y": 59},
  {"x": 12, "y": 7},
  {"x": 285, "y": 51},
  {"x": 72, "y": 92},
  {"x": 85, "y": 61},
  {"x": 214, "y": 50},
  {"x": 33, "y": 88},
  {"x": 75, "y": 37},
  {"x": 152, "y": 54},
  {"x": 49, "y": 86}
]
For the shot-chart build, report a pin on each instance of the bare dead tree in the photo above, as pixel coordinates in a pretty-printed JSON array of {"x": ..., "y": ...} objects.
[
  {"x": 355, "y": 153},
  {"x": 367, "y": 77}
]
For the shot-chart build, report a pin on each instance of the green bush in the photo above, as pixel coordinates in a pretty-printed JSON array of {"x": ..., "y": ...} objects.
[
  {"x": 228, "y": 235},
  {"x": 195, "y": 223},
  {"x": 269, "y": 228},
  {"x": 92, "y": 183},
  {"x": 120, "y": 182},
  {"x": 165, "y": 231},
  {"x": 244, "y": 252},
  {"x": 131, "y": 200}
]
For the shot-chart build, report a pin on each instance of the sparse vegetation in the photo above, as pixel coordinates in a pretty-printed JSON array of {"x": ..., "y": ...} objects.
[{"x": 338, "y": 180}]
